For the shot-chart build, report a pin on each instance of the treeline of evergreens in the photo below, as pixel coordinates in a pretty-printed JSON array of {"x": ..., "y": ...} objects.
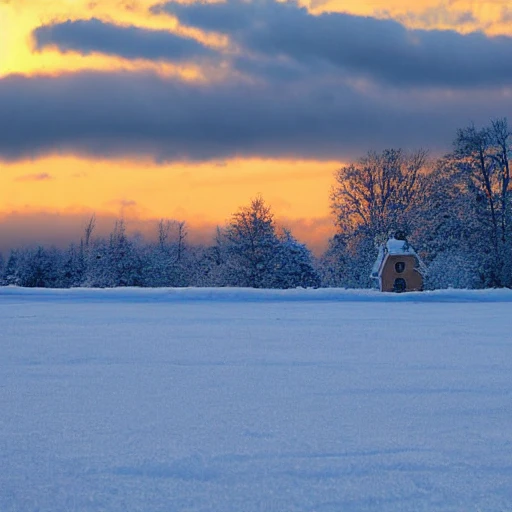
[{"x": 456, "y": 212}]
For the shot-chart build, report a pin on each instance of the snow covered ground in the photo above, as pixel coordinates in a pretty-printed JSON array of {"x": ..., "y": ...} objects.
[{"x": 247, "y": 400}]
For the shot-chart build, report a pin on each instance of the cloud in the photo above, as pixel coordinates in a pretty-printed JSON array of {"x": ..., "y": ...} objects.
[
  {"x": 126, "y": 114},
  {"x": 274, "y": 70},
  {"x": 229, "y": 16},
  {"x": 43, "y": 176},
  {"x": 297, "y": 86},
  {"x": 440, "y": 14},
  {"x": 506, "y": 15},
  {"x": 381, "y": 50},
  {"x": 96, "y": 36}
]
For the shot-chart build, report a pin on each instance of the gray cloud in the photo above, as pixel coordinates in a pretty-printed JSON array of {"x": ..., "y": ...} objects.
[
  {"x": 89, "y": 36},
  {"x": 230, "y": 16},
  {"x": 381, "y": 50},
  {"x": 123, "y": 114},
  {"x": 274, "y": 70}
]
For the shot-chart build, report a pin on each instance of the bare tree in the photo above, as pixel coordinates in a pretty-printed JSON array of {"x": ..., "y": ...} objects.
[
  {"x": 376, "y": 193},
  {"x": 483, "y": 157},
  {"x": 89, "y": 228},
  {"x": 502, "y": 140},
  {"x": 181, "y": 235},
  {"x": 164, "y": 227}
]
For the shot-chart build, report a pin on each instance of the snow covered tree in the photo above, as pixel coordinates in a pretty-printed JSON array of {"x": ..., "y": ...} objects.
[
  {"x": 251, "y": 245},
  {"x": 446, "y": 213},
  {"x": 376, "y": 194},
  {"x": 211, "y": 266},
  {"x": 34, "y": 267},
  {"x": 2, "y": 269},
  {"x": 166, "y": 263},
  {"x": 348, "y": 261},
  {"x": 73, "y": 266},
  {"x": 249, "y": 252},
  {"x": 96, "y": 266},
  {"x": 11, "y": 270},
  {"x": 293, "y": 265},
  {"x": 124, "y": 264},
  {"x": 372, "y": 198},
  {"x": 113, "y": 262},
  {"x": 482, "y": 156},
  {"x": 455, "y": 268}
]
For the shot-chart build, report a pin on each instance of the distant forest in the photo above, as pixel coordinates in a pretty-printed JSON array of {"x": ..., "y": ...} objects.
[{"x": 455, "y": 211}]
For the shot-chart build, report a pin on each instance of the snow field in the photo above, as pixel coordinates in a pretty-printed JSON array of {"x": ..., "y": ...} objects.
[{"x": 244, "y": 401}]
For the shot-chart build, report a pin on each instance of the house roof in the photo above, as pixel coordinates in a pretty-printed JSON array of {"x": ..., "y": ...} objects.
[
  {"x": 394, "y": 247},
  {"x": 378, "y": 262}
]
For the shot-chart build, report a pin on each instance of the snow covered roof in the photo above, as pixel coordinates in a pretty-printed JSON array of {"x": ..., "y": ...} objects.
[
  {"x": 394, "y": 247},
  {"x": 397, "y": 247},
  {"x": 378, "y": 262}
]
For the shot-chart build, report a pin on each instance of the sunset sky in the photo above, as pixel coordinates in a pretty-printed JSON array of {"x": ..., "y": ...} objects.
[{"x": 188, "y": 110}]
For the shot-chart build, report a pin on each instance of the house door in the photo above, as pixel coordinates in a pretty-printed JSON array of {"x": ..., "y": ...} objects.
[{"x": 400, "y": 285}]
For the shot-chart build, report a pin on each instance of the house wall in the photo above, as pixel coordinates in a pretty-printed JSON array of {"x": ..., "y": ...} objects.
[{"x": 413, "y": 278}]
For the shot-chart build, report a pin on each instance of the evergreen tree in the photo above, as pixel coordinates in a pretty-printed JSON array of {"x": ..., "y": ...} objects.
[
  {"x": 34, "y": 268},
  {"x": 124, "y": 263},
  {"x": 11, "y": 271},
  {"x": 293, "y": 266},
  {"x": 73, "y": 266},
  {"x": 348, "y": 260},
  {"x": 2, "y": 269},
  {"x": 251, "y": 245}
]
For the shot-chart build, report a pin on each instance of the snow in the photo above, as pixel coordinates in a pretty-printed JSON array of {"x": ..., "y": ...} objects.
[
  {"x": 253, "y": 400},
  {"x": 378, "y": 262},
  {"x": 397, "y": 247}
]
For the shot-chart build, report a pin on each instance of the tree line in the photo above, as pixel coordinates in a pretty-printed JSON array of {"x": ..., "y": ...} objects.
[
  {"x": 456, "y": 211},
  {"x": 250, "y": 251}
]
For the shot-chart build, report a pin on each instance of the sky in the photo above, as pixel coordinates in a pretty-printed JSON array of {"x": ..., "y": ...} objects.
[{"x": 187, "y": 110}]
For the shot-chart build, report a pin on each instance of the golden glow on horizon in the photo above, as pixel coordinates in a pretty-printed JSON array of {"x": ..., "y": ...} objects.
[{"x": 202, "y": 193}]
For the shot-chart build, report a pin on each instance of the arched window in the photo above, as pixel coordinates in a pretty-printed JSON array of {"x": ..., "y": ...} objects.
[
  {"x": 399, "y": 267},
  {"x": 400, "y": 285}
]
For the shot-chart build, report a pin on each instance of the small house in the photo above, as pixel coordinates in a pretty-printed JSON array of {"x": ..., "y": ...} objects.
[{"x": 398, "y": 268}]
